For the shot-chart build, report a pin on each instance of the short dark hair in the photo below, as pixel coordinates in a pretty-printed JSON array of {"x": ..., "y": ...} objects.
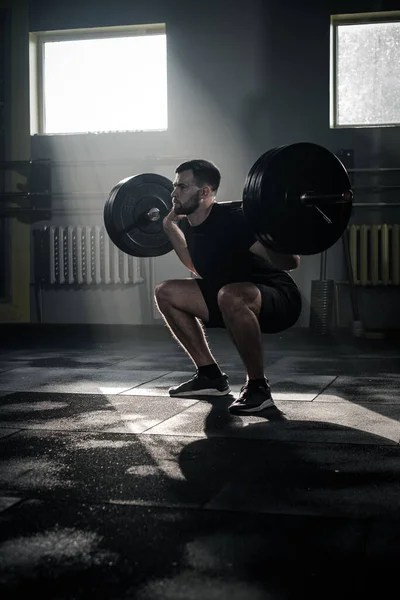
[{"x": 205, "y": 172}]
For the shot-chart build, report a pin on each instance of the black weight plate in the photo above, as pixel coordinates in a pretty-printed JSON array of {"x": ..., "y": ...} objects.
[
  {"x": 252, "y": 191},
  {"x": 294, "y": 170},
  {"x": 250, "y": 204},
  {"x": 109, "y": 223},
  {"x": 267, "y": 236},
  {"x": 125, "y": 214},
  {"x": 108, "y": 220}
]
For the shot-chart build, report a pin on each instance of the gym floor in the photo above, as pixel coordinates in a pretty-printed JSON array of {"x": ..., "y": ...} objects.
[{"x": 111, "y": 489}]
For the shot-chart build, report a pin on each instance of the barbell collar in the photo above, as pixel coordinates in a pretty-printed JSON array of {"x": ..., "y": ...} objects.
[{"x": 153, "y": 215}]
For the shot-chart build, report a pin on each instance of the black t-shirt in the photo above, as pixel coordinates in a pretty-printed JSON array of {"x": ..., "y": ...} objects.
[{"x": 219, "y": 249}]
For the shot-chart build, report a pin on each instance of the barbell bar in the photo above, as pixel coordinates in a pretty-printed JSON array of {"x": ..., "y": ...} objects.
[{"x": 297, "y": 199}]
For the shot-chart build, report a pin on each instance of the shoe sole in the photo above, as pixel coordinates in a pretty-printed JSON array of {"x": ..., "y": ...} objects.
[
  {"x": 263, "y": 406},
  {"x": 206, "y": 392}
]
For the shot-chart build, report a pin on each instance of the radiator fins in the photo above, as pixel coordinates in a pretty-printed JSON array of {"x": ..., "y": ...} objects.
[
  {"x": 81, "y": 255},
  {"x": 375, "y": 254}
]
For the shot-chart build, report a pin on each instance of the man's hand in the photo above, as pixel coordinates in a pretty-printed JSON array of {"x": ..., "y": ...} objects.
[
  {"x": 172, "y": 219},
  {"x": 177, "y": 238},
  {"x": 286, "y": 262}
]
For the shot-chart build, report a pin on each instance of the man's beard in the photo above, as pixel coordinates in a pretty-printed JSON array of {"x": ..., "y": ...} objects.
[{"x": 190, "y": 206}]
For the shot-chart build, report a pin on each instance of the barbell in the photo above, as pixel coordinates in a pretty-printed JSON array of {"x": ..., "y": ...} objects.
[{"x": 297, "y": 199}]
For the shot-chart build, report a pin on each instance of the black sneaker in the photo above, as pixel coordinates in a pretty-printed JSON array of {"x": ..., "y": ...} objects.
[
  {"x": 252, "y": 399},
  {"x": 200, "y": 385}
]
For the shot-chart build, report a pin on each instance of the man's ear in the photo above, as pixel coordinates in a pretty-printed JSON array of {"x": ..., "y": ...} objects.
[{"x": 206, "y": 191}]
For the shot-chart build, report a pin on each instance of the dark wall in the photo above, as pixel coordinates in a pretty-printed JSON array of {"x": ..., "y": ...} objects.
[
  {"x": 292, "y": 103},
  {"x": 262, "y": 66},
  {"x": 215, "y": 63}
]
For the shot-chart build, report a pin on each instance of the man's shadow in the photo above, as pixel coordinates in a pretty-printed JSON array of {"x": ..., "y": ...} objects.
[
  {"x": 287, "y": 507},
  {"x": 286, "y": 456},
  {"x": 311, "y": 487}
]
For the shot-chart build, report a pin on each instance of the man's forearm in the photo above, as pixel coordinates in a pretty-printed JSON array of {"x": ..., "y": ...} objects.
[
  {"x": 286, "y": 262},
  {"x": 178, "y": 242}
]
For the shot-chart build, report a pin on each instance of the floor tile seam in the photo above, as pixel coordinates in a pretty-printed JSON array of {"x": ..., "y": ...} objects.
[
  {"x": 195, "y": 402},
  {"x": 325, "y": 387},
  {"x": 353, "y": 402},
  {"x": 364, "y": 375},
  {"x": 369, "y": 520},
  {"x": 144, "y": 383},
  {"x": 84, "y": 367},
  {"x": 277, "y": 373},
  {"x": 271, "y": 440},
  {"x": 2, "y": 428},
  {"x": 116, "y": 362},
  {"x": 14, "y": 505},
  {"x": 320, "y": 402},
  {"x": 7, "y": 393},
  {"x": 2, "y": 371},
  {"x": 38, "y": 391}
]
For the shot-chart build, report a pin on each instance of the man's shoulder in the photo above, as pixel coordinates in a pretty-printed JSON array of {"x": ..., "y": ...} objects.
[
  {"x": 230, "y": 205},
  {"x": 230, "y": 208},
  {"x": 231, "y": 215}
]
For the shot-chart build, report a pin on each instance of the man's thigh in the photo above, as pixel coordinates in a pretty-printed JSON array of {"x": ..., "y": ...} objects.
[
  {"x": 210, "y": 296},
  {"x": 182, "y": 294},
  {"x": 280, "y": 307}
]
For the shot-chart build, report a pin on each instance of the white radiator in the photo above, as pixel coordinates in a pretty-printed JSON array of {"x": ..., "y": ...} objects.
[
  {"x": 82, "y": 255},
  {"x": 375, "y": 254}
]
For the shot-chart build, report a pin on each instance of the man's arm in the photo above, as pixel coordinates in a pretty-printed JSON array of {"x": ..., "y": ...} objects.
[
  {"x": 178, "y": 240},
  {"x": 286, "y": 262}
]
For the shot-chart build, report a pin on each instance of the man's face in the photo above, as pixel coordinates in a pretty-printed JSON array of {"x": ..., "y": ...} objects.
[{"x": 186, "y": 195}]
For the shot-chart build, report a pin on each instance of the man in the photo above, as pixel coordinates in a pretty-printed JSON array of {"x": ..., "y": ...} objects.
[{"x": 239, "y": 285}]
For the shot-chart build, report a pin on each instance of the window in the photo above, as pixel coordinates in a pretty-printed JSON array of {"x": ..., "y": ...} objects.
[
  {"x": 365, "y": 70},
  {"x": 99, "y": 80}
]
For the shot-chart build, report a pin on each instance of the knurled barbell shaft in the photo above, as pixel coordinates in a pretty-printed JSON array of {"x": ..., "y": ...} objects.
[{"x": 311, "y": 198}]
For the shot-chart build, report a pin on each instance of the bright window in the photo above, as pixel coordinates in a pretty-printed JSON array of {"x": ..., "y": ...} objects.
[
  {"x": 101, "y": 80},
  {"x": 365, "y": 70}
]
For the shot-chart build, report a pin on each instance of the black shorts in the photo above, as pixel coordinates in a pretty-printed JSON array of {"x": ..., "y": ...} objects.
[{"x": 280, "y": 307}]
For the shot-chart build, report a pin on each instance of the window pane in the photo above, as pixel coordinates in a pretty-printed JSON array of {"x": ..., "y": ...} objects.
[
  {"x": 368, "y": 74},
  {"x": 98, "y": 85}
]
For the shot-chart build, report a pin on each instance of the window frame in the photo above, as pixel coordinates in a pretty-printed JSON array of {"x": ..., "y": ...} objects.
[
  {"x": 352, "y": 19},
  {"x": 38, "y": 39}
]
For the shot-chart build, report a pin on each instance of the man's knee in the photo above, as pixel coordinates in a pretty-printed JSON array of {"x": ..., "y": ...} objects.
[
  {"x": 235, "y": 297},
  {"x": 181, "y": 294},
  {"x": 163, "y": 292},
  {"x": 230, "y": 298}
]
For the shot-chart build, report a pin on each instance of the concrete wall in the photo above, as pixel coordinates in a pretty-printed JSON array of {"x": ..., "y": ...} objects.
[{"x": 239, "y": 82}]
